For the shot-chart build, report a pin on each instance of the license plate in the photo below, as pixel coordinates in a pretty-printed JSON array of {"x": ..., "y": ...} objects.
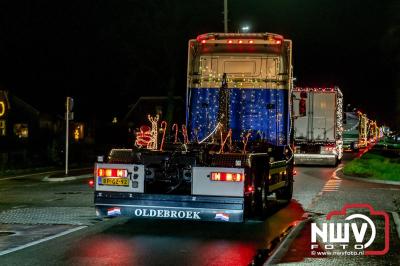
[{"x": 114, "y": 181}]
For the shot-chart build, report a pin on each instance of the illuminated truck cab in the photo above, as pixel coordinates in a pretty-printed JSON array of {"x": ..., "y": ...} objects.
[{"x": 257, "y": 71}]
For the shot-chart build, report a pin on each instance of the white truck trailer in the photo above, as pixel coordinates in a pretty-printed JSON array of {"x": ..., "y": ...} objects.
[{"x": 318, "y": 125}]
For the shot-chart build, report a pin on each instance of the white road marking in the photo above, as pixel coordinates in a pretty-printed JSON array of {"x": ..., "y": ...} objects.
[
  {"x": 334, "y": 181},
  {"x": 334, "y": 173},
  {"x": 20, "y": 176},
  {"x": 7, "y": 251},
  {"x": 41, "y": 173},
  {"x": 396, "y": 219},
  {"x": 333, "y": 184}
]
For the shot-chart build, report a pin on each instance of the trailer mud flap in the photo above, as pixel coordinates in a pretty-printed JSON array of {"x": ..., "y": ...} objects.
[
  {"x": 218, "y": 209},
  {"x": 155, "y": 212}
]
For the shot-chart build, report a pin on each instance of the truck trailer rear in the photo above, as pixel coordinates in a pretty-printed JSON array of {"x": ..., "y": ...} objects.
[
  {"x": 234, "y": 150},
  {"x": 318, "y": 125}
]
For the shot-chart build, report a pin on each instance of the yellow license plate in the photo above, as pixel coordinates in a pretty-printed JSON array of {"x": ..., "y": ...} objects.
[{"x": 115, "y": 181}]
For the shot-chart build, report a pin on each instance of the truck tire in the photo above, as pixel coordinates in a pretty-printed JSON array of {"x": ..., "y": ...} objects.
[
  {"x": 286, "y": 193},
  {"x": 353, "y": 147},
  {"x": 250, "y": 205},
  {"x": 262, "y": 197}
]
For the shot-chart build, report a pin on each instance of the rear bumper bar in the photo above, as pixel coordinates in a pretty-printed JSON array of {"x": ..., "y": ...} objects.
[
  {"x": 315, "y": 159},
  {"x": 175, "y": 207}
]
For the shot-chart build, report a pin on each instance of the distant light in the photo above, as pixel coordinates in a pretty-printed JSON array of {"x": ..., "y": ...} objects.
[
  {"x": 251, "y": 41},
  {"x": 203, "y": 41},
  {"x": 245, "y": 28},
  {"x": 115, "y": 120},
  {"x": 230, "y": 41},
  {"x": 240, "y": 41},
  {"x": 278, "y": 41}
]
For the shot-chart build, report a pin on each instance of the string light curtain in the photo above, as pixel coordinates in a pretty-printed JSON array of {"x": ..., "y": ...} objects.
[{"x": 260, "y": 110}]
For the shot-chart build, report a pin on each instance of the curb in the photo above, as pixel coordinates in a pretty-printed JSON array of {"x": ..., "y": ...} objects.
[
  {"x": 377, "y": 181},
  {"x": 68, "y": 178},
  {"x": 396, "y": 219},
  {"x": 282, "y": 249}
]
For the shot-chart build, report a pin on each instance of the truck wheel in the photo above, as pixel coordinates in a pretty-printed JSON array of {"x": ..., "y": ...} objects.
[
  {"x": 251, "y": 205},
  {"x": 286, "y": 192},
  {"x": 262, "y": 199}
]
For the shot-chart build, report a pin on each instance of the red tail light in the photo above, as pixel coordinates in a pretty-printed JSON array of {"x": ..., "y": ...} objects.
[
  {"x": 230, "y": 41},
  {"x": 229, "y": 177},
  {"x": 91, "y": 183},
  {"x": 107, "y": 172},
  {"x": 294, "y": 172},
  {"x": 251, "y": 41}
]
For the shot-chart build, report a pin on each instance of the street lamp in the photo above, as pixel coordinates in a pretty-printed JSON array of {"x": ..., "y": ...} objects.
[{"x": 245, "y": 28}]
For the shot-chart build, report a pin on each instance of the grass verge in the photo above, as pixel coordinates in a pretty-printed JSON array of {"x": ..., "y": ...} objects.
[{"x": 374, "y": 166}]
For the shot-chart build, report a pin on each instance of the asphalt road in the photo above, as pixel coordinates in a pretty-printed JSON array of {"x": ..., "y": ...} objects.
[{"x": 44, "y": 223}]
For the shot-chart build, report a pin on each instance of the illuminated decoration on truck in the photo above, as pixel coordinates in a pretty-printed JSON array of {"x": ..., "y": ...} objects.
[
  {"x": 261, "y": 111},
  {"x": 238, "y": 38}
]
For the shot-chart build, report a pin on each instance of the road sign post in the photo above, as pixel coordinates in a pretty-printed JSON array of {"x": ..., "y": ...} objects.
[{"x": 68, "y": 106}]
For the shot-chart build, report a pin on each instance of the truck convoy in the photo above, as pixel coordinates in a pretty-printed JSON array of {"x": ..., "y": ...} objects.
[
  {"x": 351, "y": 131},
  {"x": 355, "y": 133},
  {"x": 234, "y": 150},
  {"x": 318, "y": 125}
]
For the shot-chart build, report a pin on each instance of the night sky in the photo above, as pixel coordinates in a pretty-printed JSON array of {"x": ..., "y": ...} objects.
[{"x": 108, "y": 53}]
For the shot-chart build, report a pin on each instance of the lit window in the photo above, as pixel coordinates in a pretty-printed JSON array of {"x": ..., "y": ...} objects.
[
  {"x": 21, "y": 130},
  {"x": 78, "y": 131},
  {"x": 2, "y": 127}
]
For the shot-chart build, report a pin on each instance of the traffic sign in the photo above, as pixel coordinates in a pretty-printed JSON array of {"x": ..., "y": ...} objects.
[
  {"x": 69, "y": 104},
  {"x": 70, "y": 116}
]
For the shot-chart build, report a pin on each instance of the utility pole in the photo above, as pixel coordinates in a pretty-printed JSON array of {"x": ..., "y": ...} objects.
[
  {"x": 68, "y": 116},
  {"x": 225, "y": 16}
]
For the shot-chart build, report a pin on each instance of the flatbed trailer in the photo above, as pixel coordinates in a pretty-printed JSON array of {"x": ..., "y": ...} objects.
[{"x": 234, "y": 150}]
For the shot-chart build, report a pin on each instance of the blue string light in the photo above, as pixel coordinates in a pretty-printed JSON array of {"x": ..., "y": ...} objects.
[{"x": 258, "y": 110}]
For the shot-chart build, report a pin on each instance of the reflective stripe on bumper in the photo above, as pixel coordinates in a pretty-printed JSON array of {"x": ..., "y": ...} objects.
[{"x": 315, "y": 159}]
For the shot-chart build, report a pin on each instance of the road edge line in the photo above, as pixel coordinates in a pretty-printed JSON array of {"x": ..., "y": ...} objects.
[
  {"x": 69, "y": 178},
  {"x": 7, "y": 251},
  {"x": 283, "y": 247},
  {"x": 39, "y": 173},
  {"x": 396, "y": 219}
]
